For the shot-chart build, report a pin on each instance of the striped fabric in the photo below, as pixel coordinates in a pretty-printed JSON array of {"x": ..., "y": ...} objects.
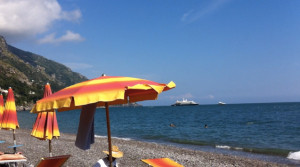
[
  {"x": 45, "y": 126},
  {"x": 1, "y": 108},
  {"x": 113, "y": 90},
  {"x": 162, "y": 162},
  {"x": 10, "y": 120}
]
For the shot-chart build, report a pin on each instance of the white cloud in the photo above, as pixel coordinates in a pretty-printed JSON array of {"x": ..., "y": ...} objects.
[
  {"x": 78, "y": 66},
  {"x": 25, "y": 18},
  {"x": 211, "y": 96},
  {"x": 192, "y": 15},
  {"x": 186, "y": 15},
  {"x": 71, "y": 16},
  {"x": 68, "y": 37}
]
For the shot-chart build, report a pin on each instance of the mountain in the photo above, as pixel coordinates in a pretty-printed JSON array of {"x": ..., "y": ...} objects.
[{"x": 27, "y": 73}]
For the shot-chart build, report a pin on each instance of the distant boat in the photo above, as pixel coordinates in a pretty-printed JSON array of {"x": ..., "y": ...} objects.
[
  {"x": 221, "y": 103},
  {"x": 185, "y": 102}
]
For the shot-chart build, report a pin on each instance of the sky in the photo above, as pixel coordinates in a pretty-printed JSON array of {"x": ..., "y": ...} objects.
[{"x": 214, "y": 50}]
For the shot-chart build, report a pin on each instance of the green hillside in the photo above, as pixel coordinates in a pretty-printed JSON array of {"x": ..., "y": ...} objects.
[{"x": 27, "y": 73}]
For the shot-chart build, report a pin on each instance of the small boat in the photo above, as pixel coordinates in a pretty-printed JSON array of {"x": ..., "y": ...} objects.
[
  {"x": 221, "y": 103},
  {"x": 185, "y": 102}
]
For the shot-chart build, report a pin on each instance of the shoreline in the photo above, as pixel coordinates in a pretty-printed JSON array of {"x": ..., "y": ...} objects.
[{"x": 34, "y": 149}]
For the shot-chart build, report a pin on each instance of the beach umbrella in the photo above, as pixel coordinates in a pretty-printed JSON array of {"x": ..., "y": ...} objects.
[
  {"x": 1, "y": 108},
  {"x": 102, "y": 91},
  {"x": 45, "y": 126},
  {"x": 10, "y": 120},
  {"x": 1, "y": 112}
]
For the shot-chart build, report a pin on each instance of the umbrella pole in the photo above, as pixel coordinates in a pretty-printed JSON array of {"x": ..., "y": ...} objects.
[
  {"x": 50, "y": 149},
  {"x": 15, "y": 142},
  {"x": 108, "y": 134}
]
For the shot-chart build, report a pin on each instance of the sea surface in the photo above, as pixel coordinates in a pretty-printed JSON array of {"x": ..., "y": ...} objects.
[{"x": 267, "y": 131}]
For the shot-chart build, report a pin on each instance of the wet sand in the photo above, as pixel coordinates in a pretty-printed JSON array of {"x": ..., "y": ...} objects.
[{"x": 34, "y": 149}]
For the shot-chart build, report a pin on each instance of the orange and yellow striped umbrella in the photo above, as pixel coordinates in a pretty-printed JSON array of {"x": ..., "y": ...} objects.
[
  {"x": 45, "y": 126},
  {"x": 10, "y": 119},
  {"x": 1, "y": 108},
  {"x": 102, "y": 91},
  {"x": 105, "y": 89}
]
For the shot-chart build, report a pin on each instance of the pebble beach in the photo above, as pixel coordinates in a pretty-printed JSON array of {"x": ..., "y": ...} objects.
[{"x": 34, "y": 149}]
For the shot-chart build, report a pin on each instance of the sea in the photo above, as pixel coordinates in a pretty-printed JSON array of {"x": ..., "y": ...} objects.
[{"x": 264, "y": 131}]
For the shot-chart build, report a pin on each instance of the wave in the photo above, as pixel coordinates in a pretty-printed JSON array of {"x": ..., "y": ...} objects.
[
  {"x": 237, "y": 148},
  {"x": 127, "y": 139},
  {"x": 294, "y": 155},
  {"x": 98, "y": 136},
  {"x": 229, "y": 147},
  {"x": 223, "y": 147},
  {"x": 267, "y": 151}
]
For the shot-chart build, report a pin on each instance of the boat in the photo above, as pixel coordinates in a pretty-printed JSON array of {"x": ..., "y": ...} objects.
[
  {"x": 221, "y": 103},
  {"x": 185, "y": 102}
]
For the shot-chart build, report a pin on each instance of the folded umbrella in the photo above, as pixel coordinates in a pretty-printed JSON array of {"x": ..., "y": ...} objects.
[
  {"x": 1, "y": 108},
  {"x": 10, "y": 119},
  {"x": 45, "y": 126}
]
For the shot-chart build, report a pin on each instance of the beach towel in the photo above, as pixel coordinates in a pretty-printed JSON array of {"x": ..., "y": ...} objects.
[
  {"x": 85, "y": 133},
  {"x": 162, "y": 162}
]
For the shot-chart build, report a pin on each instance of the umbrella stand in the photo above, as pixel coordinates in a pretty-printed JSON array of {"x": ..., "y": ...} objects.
[
  {"x": 15, "y": 142},
  {"x": 50, "y": 149},
  {"x": 108, "y": 134}
]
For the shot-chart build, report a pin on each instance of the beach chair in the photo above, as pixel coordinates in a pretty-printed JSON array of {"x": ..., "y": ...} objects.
[
  {"x": 55, "y": 161},
  {"x": 162, "y": 162},
  {"x": 13, "y": 162}
]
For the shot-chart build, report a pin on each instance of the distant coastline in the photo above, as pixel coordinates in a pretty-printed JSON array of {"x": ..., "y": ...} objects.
[{"x": 24, "y": 108}]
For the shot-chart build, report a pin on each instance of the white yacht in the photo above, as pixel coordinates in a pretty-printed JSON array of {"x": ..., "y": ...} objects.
[
  {"x": 185, "y": 102},
  {"x": 221, "y": 103}
]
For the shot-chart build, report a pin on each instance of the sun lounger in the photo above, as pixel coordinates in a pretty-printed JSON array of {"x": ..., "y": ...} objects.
[
  {"x": 12, "y": 162},
  {"x": 55, "y": 161},
  {"x": 162, "y": 162}
]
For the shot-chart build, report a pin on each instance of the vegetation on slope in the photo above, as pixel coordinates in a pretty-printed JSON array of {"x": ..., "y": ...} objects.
[{"x": 27, "y": 73}]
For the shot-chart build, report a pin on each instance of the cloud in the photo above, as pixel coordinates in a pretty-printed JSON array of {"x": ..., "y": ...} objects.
[
  {"x": 25, "y": 18},
  {"x": 68, "y": 37},
  {"x": 193, "y": 15},
  {"x": 71, "y": 16},
  {"x": 186, "y": 15},
  {"x": 78, "y": 66},
  {"x": 211, "y": 96}
]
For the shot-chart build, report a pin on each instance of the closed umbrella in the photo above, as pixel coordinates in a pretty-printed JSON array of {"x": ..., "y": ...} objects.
[
  {"x": 1, "y": 111},
  {"x": 1, "y": 108},
  {"x": 102, "y": 91},
  {"x": 45, "y": 126},
  {"x": 10, "y": 119}
]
